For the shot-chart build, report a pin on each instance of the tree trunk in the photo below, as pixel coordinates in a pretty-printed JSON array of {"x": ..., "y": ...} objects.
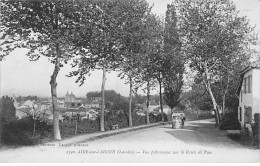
[
  {"x": 171, "y": 114},
  {"x": 130, "y": 104},
  {"x": 224, "y": 97},
  {"x": 102, "y": 118},
  {"x": 1, "y": 125},
  {"x": 223, "y": 103},
  {"x": 53, "y": 84},
  {"x": 76, "y": 127},
  {"x": 34, "y": 127},
  {"x": 215, "y": 105},
  {"x": 34, "y": 123},
  {"x": 208, "y": 87},
  {"x": 161, "y": 102},
  {"x": 147, "y": 103}
]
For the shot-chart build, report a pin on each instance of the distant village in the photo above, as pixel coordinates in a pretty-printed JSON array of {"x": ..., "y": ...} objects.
[{"x": 71, "y": 106}]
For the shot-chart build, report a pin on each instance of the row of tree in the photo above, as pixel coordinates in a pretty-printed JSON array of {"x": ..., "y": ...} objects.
[
  {"x": 108, "y": 35},
  {"x": 124, "y": 36}
]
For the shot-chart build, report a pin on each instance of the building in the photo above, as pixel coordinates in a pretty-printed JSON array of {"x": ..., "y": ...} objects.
[
  {"x": 91, "y": 114},
  {"x": 25, "y": 109},
  {"x": 61, "y": 103},
  {"x": 248, "y": 92},
  {"x": 71, "y": 101}
]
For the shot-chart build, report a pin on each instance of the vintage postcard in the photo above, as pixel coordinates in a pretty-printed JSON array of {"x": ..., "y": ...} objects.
[{"x": 129, "y": 81}]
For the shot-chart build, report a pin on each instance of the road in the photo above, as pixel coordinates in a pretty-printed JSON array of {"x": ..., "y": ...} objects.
[{"x": 199, "y": 141}]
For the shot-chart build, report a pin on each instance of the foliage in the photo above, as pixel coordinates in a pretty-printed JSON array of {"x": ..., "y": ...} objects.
[
  {"x": 114, "y": 101},
  {"x": 138, "y": 120},
  {"x": 46, "y": 28},
  {"x": 90, "y": 126},
  {"x": 230, "y": 125},
  {"x": 85, "y": 126},
  {"x": 256, "y": 129},
  {"x": 134, "y": 35},
  {"x": 8, "y": 109},
  {"x": 20, "y": 132},
  {"x": 257, "y": 118},
  {"x": 214, "y": 36},
  {"x": 173, "y": 63},
  {"x": 230, "y": 122},
  {"x": 199, "y": 97},
  {"x": 25, "y": 98},
  {"x": 173, "y": 82},
  {"x": 91, "y": 95}
]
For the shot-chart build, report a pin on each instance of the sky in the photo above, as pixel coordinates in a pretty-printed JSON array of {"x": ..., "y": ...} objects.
[{"x": 19, "y": 76}]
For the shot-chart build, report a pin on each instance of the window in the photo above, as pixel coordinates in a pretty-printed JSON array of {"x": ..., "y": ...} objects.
[
  {"x": 249, "y": 82},
  {"x": 241, "y": 96},
  {"x": 240, "y": 113},
  {"x": 245, "y": 85},
  {"x": 248, "y": 114}
]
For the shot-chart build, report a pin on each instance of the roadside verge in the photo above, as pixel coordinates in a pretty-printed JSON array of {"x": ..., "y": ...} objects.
[{"x": 98, "y": 135}]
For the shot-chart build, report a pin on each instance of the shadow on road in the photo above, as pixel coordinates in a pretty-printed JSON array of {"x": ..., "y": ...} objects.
[{"x": 195, "y": 133}]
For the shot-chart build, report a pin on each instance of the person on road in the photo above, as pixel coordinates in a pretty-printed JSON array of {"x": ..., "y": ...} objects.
[{"x": 182, "y": 119}]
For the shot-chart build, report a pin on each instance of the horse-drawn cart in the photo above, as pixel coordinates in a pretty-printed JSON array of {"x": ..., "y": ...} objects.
[{"x": 178, "y": 120}]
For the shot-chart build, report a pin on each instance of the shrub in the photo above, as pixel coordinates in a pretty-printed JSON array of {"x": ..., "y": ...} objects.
[
  {"x": 257, "y": 118},
  {"x": 20, "y": 132},
  {"x": 85, "y": 126},
  {"x": 256, "y": 129},
  {"x": 159, "y": 117},
  {"x": 230, "y": 124},
  {"x": 138, "y": 120}
]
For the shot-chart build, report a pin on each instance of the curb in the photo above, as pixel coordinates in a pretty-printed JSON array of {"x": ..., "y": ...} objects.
[
  {"x": 100, "y": 135},
  {"x": 125, "y": 131}
]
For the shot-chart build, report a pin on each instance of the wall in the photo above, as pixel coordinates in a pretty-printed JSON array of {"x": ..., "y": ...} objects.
[
  {"x": 246, "y": 98},
  {"x": 256, "y": 91}
]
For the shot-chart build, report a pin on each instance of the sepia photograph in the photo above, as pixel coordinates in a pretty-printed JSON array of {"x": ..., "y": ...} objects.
[{"x": 129, "y": 81}]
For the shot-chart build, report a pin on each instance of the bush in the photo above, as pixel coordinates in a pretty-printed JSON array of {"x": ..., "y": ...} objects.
[
  {"x": 230, "y": 116},
  {"x": 138, "y": 120},
  {"x": 85, "y": 126},
  {"x": 256, "y": 129},
  {"x": 157, "y": 117},
  {"x": 67, "y": 128},
  {"x": 111, "y": 119},
  {"x": 231, "y": 124},
  {"x": 20, "y": 132},
  {"x": 152, "y": 118},
  {"x": 257, "y": 118}
]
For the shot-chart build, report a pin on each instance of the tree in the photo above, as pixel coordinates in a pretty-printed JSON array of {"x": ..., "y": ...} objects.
[
  {"x": 105, "y": 45},
  {"x": 173, "y": 64},
  {"x": 8, "y": 109},
  {"x": 135, "y": 12},
  {"x": 150, "y": 51},
  {"x": 0, "y": 105},
  {"x": 7, "y": 114},
  {"x": 198, "y": 97},
  {"x": 212, "y": 32},
  {"x": 91, "y": 95},
  {"x": 226, "y": 85},
  {"x": 173, "y": 82},
  {"x": 19, "y": 99},
  {"x": 46, "y": 28}
]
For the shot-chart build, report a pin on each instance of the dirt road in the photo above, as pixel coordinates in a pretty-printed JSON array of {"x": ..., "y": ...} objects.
[{"x": 199, "y": 141}]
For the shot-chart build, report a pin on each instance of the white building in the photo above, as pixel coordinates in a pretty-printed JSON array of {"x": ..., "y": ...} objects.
[
  {"x": 91, "y": 114},
  {"x": 249, "y": 94}
]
